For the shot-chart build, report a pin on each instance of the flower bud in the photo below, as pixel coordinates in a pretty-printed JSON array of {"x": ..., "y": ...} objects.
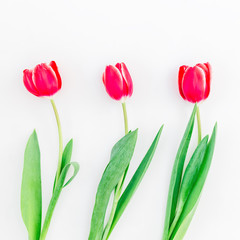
[
  {"x": 194, "y": 82},
  {"x": 118, "y": 82},
  {"x": 43, "y": 80}
]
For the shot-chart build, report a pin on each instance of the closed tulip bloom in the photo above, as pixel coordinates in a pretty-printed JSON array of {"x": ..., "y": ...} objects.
[
  {"x": 118, "y": 82},
  {"x": 43, "y": 80},
  {"x": 194, "y": 82}
]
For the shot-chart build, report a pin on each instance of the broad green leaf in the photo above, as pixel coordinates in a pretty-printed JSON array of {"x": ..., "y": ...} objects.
[
  {"x": 189, "y": 178},
  {"x": 56, "y": 194},
  {"x": 31, "y": 190},
  {"x": 177, "y": 175},
  {"x": 120, "y": 158},
  {"x": 194, "y": 197},
  {"x": 66, "y": 158},
  {"x": 135, "y": 181}
]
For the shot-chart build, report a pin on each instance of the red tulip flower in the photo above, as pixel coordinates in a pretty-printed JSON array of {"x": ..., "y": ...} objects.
[
  {"x": 194, "y": 82},
  {"x": 118, "y": 82},
  {"x": 43, "y": 80},
  {"x": 184, "y": 193}
]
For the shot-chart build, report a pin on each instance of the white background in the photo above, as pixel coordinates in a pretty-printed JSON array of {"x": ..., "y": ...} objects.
[{"x": 153, "y": 38}]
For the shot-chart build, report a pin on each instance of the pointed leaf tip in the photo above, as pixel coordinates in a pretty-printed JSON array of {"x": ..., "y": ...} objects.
[
  {"x": 34, "y": 133},
  {"x": 215, "y": 127},
  {"x": 135, "y": 180},
  {"x": 177, "y": 174},
  {"x": 31, "y": 190},
  {"x": 121, "y": 156},
  {"x": 193, "y": 199}
]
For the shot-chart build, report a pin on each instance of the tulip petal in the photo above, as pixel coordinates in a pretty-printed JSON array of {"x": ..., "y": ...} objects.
[
  {"x": 208, "y": 79},
  {"x": 181, "y": 72},
  {"x": 207, "y": 70},
  {"x": 125, "y": 87},
  {"x": 103, "y": 78},
  {"x": 194, "y": 84},
  {"x": 203, "y": 66},
  {"x": 45, "y": 80},
  {"x": 127, "y": 79},
  {"x": 113, "y": 82},
  {"x": 53, "y": 65},
  {"x": 28, "y": 82}
]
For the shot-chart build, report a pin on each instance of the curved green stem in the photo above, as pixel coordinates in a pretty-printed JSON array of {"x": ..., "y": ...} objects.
[
  {"x": 199, "y": 126},
  {"x": 50, "y": 209},
  {"x": 125, "y": 117},
  {"x": 118, "y": 188},
  {"x": 60, "y": 142}
]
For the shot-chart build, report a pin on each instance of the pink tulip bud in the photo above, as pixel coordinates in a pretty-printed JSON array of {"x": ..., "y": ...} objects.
[
  {"x": 43, "y": 80},
  {"x": 118, "y": 82},
  {"x": 194, "y": 82}
]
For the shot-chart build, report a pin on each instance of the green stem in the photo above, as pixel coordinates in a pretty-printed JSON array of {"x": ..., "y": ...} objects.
[
  {"x": 60, "y": 142},
  {"x": 199, "y": 126},
  {"x": 49, "y": 213},
  {"x": 125, "y": 117},
  {"x": 118, "y": 188},
  {"x": 50, "y": 209}
]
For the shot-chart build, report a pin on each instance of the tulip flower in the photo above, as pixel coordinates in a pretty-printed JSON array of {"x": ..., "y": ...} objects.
[
  {"x": 187, "y": 183},
  {"x": 194, "y": 82},
  {"x": 43, "y": 80},
  {"x": 119, "y": 86},
  {"x": 194, "y": 86},
  {"x": 118, "y": 82}
]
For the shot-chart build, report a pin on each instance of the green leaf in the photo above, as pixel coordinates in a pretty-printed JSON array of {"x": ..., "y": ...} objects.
[
  {"x": 189, "y": 179},
  {"x": 31, "y": 190},
  {"x": 135, "y": 181},
  {"x": 179, "y": 235},
  {"x": 75, "y": 172},
  {"x": 194, "y": 197},
  {"x": 67, "y": 154},
  {"x": 66, "y": 158},
  {"x": 56, "y": 194},
  {"x": 120, "y": 158},
  {"x": 177, "y": 175}
]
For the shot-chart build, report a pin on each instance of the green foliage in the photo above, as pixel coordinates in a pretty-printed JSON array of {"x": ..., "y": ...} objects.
[
  {"x": 66, "y": 164},
  {"x": 194, "y": 196},
  {"x": 177, "y": 175},
  {"x": 120, "y": 158},
  {"x": 189, "y": 179},
  {"x": 135, "y": 181},
  {"x": 31, "y": 190},
  {"x": 60, "y": 185},
  {"x": 184, "y": 192}
]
